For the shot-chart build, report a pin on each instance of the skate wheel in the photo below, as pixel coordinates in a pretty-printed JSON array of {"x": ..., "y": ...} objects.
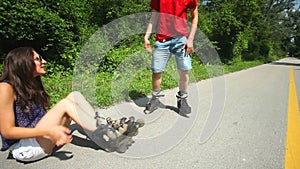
[
  {"x": 140, "y": 122},
  {"x": 130, "y": 121},
  {"x": 123, "y": 120},
  {"x": 109, "y": 120},
  {"x": 131, "y": 118},
  {"x": 122, "y": 149}
]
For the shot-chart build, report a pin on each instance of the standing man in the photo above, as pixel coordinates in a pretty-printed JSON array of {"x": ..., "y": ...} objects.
[{"x": 169, "y": 19}]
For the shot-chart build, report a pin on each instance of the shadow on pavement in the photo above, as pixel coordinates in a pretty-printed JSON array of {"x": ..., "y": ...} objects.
[
  {"x": 141, "y": 102},
  {"x": 83, "y": 142},
  {"x": 284, "y": 64},
  {"x": 62, "y": 155}
]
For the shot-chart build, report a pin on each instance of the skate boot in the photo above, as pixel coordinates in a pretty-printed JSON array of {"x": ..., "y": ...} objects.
[
  {"x": 116, "y": 124},
  {"x": 115, "y": 134},
  {"x": 154, "y": 102},
  {"x": 99, "y": 119},
  {"x": 182, "y": 104},
  {"x": 133, "y": 126},
  {"x": 122, "y": 142}
]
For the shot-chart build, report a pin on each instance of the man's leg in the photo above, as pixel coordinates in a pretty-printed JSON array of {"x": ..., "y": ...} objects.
[
  {"x": 160, "y": 57},
  {"x": 154, "y": 102},
  {"x": 183, "y": 65},
  {"x": 156, "y": 81},
  {"x": 182, "y": 95},
  {"x": 184, "y": 80}
]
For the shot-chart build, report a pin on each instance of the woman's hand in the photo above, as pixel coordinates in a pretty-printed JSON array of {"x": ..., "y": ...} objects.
[{"x": 60, "y": 135}]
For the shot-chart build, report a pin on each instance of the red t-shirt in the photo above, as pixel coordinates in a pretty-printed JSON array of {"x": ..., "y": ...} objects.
[{"x": 173, "y": 17}]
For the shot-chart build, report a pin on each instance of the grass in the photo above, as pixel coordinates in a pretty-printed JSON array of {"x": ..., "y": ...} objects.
[
  {"x": 110, "y": 88},
  {"x": 242, "y": 65},
  {"x": 126, "y": 75},
  {"x": 109, "y": 91}
]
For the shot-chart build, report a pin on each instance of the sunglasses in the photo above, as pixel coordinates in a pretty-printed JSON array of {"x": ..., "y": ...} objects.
[{"x": 39, "y": 58}]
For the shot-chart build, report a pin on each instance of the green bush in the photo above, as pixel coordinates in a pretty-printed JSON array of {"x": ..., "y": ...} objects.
[{"x": 56, "y": 29}]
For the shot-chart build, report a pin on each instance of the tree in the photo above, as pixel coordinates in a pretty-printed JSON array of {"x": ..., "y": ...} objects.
[
  {"x": 291, "y": 43},
  {"x": 249, "y": 30},
  {"x": 56, "y": 29},
  {"x": 105, "y": 11}
]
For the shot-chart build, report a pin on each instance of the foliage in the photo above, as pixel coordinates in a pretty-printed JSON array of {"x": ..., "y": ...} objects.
[
  {"x": 254, "y": 31},
  {"x": 56, "y": 29},
  {"x": 292, "y": 43},
  {"x": 58, "y": 85},
  {"x": 249, "y": 30},
  {"x": 241, "y": 29},
  {"x": 115, "y": 56},
  {"x": 105, "y": 11}
]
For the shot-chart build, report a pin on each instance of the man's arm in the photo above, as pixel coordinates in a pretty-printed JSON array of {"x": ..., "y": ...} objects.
[
  {"x": 194, "y": 23},
  {"x": 152, "y": 24}
]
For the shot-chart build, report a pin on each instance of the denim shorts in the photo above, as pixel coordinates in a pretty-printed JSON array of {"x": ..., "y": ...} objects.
[
  {"x": 163, "y": 51},
  {"x": 28, "y": 150}
]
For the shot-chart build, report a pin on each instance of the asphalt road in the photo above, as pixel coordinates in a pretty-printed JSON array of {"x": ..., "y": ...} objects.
[{"x": 238, "y": 121}]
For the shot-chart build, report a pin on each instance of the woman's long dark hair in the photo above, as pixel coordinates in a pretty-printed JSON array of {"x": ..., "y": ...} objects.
[{"x": 18, "y": 69}]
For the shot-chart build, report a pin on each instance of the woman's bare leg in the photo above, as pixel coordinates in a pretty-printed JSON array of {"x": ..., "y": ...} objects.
[{"x": 73, "y": 107}]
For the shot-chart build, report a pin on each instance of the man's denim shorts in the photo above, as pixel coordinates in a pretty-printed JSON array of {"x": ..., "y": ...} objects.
[{"x": 162, "y": 53}]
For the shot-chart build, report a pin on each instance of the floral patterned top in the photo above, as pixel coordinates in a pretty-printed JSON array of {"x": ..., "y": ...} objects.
[{"x": 28, "y": 120}]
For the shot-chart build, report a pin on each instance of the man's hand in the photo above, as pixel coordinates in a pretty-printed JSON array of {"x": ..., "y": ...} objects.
[
  {"x": 189, "y": 47},
  {"x": 152, "y": 24},
  {"x": 147, "y": 45}
]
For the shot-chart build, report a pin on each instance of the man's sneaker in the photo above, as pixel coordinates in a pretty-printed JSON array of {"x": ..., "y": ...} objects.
[
  {"x": 153, "y": 104},
  {"x": 182, "y": 104}
]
